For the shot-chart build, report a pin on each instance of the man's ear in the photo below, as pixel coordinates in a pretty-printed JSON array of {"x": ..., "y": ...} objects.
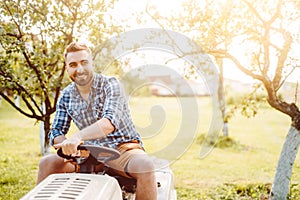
[
  {"x": 66, "y": 68},
  {"x": 66, "y": 65}
]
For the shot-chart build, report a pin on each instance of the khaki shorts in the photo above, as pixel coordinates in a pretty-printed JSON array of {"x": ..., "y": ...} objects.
[{"x": 127, "y": 151}]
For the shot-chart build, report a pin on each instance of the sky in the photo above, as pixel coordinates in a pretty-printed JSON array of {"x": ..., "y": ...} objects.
[{"x": 126, "y": 13}]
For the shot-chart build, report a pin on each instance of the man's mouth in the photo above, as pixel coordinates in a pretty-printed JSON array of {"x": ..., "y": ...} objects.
[{"x": 81, "y": 76}]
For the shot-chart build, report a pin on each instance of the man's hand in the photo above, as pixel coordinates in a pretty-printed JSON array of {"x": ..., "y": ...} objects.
[
  {"x": 69, "y": 146},
  {"x": 99, "y": 129}
]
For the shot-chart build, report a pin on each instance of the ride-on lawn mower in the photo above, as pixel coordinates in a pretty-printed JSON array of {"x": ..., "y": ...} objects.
[{"x": 105, "y": 185}]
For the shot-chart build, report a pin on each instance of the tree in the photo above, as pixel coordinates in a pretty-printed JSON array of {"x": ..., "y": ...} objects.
[
  {"x": 269, "y": 32},
  {"x": 267, "y": 29},
  {"x": 33, "y": 37},
  {"x": 202, "y": 21}
]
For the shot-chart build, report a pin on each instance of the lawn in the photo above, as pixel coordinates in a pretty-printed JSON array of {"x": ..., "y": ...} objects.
[{"x": 245, "y": 170}]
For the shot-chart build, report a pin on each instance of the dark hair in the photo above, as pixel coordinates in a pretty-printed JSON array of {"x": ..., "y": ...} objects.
[{"x": 76, "y": 46}]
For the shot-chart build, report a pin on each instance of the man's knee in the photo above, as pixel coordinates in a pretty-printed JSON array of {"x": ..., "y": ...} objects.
[
  {"x": 147, "y": 164},
  {"x": 52, "y": 163},
  {"x": 44, "y": 162},
  {"x": 141, "y": 164}
]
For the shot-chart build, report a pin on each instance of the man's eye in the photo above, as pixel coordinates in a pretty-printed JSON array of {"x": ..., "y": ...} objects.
[
  {"x": 72, "y": 65},
  {"x": 85, "y": 62}
]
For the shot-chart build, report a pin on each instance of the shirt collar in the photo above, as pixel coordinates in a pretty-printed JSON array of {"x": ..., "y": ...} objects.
[
  {"x": 74, "y": 91},
  {"x": 95, "y": 81}
]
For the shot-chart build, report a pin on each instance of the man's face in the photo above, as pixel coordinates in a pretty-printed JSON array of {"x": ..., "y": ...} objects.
[{"x": 80, "y": 67}]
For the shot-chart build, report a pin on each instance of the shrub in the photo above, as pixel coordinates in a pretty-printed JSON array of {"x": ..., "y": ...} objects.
[{"x": 222, "y": 142}]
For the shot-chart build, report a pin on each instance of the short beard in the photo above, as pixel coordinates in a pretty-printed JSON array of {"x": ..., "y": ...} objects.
[{"x": 86, "y": 82}]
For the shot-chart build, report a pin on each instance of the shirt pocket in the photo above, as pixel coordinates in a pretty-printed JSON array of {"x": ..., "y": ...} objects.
[{"x": 76, "y": 116}]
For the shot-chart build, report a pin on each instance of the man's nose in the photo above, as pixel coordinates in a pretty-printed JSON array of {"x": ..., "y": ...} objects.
[{"x": 80, "y": 68}]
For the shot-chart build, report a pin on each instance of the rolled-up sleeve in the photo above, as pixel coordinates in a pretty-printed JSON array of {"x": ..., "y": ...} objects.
[
  {"x": 61, "y": 122},
  {"x": 114, "y": 102}
]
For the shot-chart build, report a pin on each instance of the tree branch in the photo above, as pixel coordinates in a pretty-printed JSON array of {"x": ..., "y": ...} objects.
[
  {"x": 37, "y": 72},
  {"x": 239, "y": 65},
  {"x": 22, "y": 89},
  {"x": 254, "y": 11},
  {"x": 13, "y": 19},
  {"x": 285, "y": 78},
  {"x": 19, "y": 109},
  {"x": 282, "y": 58},
  {"x": 277, "y": 12}
]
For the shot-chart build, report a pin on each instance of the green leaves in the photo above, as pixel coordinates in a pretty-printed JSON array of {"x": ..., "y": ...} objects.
[{"x": 33, "y": 37}]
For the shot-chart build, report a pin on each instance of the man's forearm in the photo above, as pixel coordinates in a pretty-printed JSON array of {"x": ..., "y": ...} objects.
[{"x": 97, "y": 130}]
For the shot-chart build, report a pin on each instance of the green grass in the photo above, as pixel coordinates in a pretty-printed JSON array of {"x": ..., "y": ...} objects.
[
  {"x": 19, "y": 150},
  {"x": 244, "y": 170}
]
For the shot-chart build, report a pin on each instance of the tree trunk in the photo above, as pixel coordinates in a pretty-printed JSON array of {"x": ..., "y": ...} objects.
[
  {"x": 47, "y": 130},
  {"x": 44, "y": 144},
  {"x": 280, "y": 187},
  {"x": 44, "y": 130},
  {"x": 225, "y": 129},
  {"x": 222, "y": 100}
]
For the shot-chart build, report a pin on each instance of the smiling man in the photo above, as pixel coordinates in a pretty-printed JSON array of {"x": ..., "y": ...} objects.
[{"x": 97, "y": 105}]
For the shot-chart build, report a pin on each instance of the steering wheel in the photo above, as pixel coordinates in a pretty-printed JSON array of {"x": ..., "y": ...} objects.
[{"x": 99, "y": 153}]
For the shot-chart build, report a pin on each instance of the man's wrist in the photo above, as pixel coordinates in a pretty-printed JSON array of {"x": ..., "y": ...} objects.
[{"x": 59, "y": 139}]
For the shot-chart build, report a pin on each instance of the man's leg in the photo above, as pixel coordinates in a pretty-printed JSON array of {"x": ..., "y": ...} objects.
[
  {"x": 141, "y": 167},
  {"x": 52, "y": 164},
  {"x": 135, "y": 162}
]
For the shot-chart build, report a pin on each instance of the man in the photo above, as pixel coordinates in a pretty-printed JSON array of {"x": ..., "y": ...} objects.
[{"x": 98, "y": 107}]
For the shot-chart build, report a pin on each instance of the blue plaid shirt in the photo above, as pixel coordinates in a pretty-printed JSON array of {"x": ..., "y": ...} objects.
[{"x": 106, "y": 100}]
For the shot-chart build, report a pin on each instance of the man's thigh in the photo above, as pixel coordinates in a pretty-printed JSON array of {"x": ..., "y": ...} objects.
[{"x": 120, "y": 165}]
